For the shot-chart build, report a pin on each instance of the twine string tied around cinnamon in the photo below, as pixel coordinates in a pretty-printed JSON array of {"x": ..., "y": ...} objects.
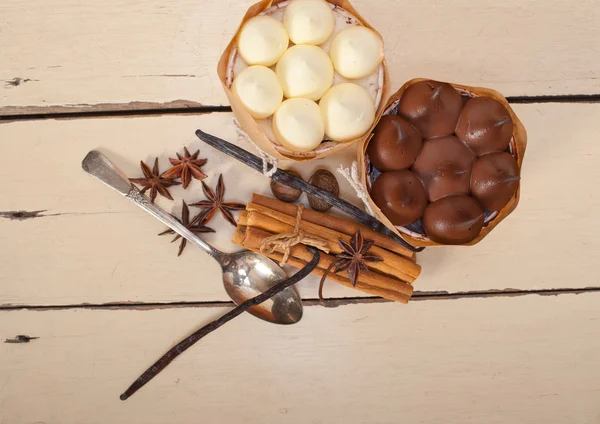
[{"x": 285, "y": 242}]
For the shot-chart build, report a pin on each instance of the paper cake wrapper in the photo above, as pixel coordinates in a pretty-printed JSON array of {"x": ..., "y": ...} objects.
[
  {"x": 517, "y": 148},
  {"x": 250, "y": 126}
]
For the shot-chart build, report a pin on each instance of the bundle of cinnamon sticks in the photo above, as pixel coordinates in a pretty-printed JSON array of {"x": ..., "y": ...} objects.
[{"x": 391, "y": 278}]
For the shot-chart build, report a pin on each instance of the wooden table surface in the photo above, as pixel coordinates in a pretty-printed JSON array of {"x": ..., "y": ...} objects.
[{"x": 503, "y": 332}]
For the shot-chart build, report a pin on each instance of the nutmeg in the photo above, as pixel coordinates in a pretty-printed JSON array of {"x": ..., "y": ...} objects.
[
  {"x": 444, "y": 165},
  {"x": 326, "y": 181},
  {"x": 395, "y": 144},
  {"x": 485, "y": 126},
  {"x": 286, "y": 193},
  {"x": 494, "y": 180},
  {"x": 453, "y": 220},
  {"x": 432, "y": 107},
  {"x": 400, "y": 196}
]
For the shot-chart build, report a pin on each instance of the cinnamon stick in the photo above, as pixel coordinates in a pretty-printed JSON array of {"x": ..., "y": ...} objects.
[
  {"x": 341, "y": 225},
  {"x": 373, "y": 282},
  {"x": 274, "y": 222}
]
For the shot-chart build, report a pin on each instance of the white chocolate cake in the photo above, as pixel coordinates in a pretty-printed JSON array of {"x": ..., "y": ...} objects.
[
  {"x": 298, "y": 125},
  {"x": 356, "y": 52},
  {"x": 372, "y": 83},
  {"x": 305, "y": 71},
  {"x": 348, "y": 112},
  {"x": 262, "y": 41},
  {"x": 259, "y": 90},
  {"x": 309, "y": 21}
]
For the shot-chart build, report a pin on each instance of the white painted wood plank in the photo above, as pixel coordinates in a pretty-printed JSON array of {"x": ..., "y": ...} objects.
[
  {"x": 70, "y": 52},
  {"x": 96, "y": 247},
  {"x": 101, "y": 249},
  {"x": 528, "y": 360}
]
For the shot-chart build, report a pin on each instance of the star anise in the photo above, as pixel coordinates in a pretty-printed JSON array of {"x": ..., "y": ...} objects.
[
  {"x": 154, "y": 181},
  {"x": 215, "y": 203},
  {"x": 196, "y": 226},
  {"x": 354, "y": 258},
  {"x": 186, "y": 167}
]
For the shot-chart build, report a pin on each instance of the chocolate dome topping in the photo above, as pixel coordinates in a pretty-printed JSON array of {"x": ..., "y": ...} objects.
[
  {"x": 453, "y": 220},
  {"x": 485, "y": 126},
  {"x": 395, "y": 144},
  {"x": 494, "y": 180},
  {"x": 432, "y": 107},
  {"x": 400, "y": 196},
  {"x": 444, "y": 166}
]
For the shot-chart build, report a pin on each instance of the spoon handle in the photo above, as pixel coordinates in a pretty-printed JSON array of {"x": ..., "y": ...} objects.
[
  {"x": 98, "y": 165},
  {"x": 188, "y": 342}
]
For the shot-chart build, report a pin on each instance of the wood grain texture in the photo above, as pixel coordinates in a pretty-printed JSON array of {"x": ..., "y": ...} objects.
[
  {"x": 91, "y": 246},
  {"x": 96, "y": 54},
  {"x": 526, "y": 360}
]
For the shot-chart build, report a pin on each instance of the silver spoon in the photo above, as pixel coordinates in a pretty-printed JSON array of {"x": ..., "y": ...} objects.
[{"x": 245, "y": 274}]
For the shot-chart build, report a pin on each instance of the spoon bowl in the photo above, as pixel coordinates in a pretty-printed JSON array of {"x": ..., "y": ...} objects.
[
  {"x": 245, "y": 274},
  {"x": 248, "y": 274}
]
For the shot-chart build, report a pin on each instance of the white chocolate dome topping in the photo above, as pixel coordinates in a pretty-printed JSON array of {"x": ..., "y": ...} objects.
[{"x": 259, "y": 90}]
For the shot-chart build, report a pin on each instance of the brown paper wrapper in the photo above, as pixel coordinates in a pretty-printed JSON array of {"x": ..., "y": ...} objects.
[
  {"x": 517, "y": 148},
  {"x": 251, "y": 127}
]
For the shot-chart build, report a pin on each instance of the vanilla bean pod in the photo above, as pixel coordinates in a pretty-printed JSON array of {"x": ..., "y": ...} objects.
[
  {"x": 290, "y": 180},
  {"x": 188, "y": 342}
]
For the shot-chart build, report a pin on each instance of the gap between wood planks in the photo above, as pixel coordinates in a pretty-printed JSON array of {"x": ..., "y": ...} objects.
[
  {"x": 26, "y": 215},
  {"x": 331, "y": 302},
  {"x": 187, "y": 107},
  {"x": 106, "y": 110}
]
